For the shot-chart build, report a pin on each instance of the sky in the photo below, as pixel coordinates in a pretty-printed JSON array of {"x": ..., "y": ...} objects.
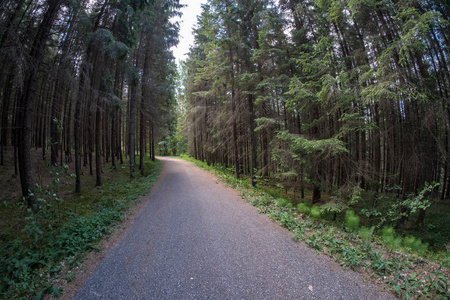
[{"x": 187, "y": 22}]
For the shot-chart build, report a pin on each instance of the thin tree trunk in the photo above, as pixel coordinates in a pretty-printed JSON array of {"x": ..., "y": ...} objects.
[
  {"x": 98, "y": 144},
  {"x": 153, "y": 145},
  {"x": 77, "y": 128},
  {"x": 131, "y": 131}
]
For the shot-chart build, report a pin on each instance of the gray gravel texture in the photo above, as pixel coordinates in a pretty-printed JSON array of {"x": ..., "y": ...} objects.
[{"x": 197, "y": 239}]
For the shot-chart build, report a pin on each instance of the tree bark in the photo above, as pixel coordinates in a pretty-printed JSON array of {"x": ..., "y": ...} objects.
[
  {"x": 26, "y": 101},
  {"x": 131, "y": 131},
  {"x": 98, "y": 144}
]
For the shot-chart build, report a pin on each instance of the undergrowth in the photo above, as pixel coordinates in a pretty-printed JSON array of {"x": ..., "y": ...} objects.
[
  {"x": 405, "y": 265},
  {"x": 35, "y": 251}
]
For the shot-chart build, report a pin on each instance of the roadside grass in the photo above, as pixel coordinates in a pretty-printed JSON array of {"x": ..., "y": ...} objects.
[
  {"x": 403, "y": 264},
  {"x": 37, "y": 249}
]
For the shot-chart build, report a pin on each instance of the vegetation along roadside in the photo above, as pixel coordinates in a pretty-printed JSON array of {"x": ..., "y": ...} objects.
[
  {"x": 403, "y": 264},
  {"x": 39, "y": 250}
]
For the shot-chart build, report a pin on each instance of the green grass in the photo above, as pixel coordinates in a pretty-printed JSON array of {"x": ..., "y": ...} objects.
[
  {"x": 387, "y": 258},
  {"x": 36, "y": 248}
]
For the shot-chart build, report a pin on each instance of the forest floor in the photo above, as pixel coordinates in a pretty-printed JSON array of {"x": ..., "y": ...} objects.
[
  {"x": 41, "y": 253},
  {"x": 48, "y": 179},
  {"x": 408, "y": 274}
]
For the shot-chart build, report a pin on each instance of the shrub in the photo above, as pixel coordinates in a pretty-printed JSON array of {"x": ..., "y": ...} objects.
[
  {"x": 283, "y": 202},
  {"x": 366, "y": 233},
  {"x": 415, "y": 244},
  {"x": 316, "y": 212},
  {"x": 390, "y": 239},
  {"x": 351, "y": 220},
  {"x": 303, "y": 208}
]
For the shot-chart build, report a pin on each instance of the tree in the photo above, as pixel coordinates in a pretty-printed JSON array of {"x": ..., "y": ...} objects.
[
  {"x": 345, "y": 94},
  {"x": 87, "y": 48},
  {"x": 26, "y": 99}
]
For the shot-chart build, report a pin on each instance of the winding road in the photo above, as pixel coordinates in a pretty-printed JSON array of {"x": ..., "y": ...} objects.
[{"x": 196, "y": 239}]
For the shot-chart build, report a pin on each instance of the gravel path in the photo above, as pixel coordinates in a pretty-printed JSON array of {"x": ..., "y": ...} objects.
[{"x": 196, "y": 239}]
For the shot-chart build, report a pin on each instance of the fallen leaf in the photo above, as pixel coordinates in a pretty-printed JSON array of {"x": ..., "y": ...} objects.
[{"x": 310, "y": 288}]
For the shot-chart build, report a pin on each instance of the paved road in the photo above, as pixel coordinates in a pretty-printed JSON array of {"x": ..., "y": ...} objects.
[{"x": 196, "y": 239}]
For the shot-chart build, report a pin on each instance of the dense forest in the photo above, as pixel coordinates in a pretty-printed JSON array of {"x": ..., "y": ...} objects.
[
  {"x": 334, "y": 109},
  {"x": 85, "y": 81},
  {"x": 329, "y": 96}
]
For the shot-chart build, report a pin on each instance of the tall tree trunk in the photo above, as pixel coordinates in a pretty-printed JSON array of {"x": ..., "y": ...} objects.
[
  {"x": 131, "y": 131},
  {"x": 26, "y": 102},
  {"x": 146, "y": 81},
  {"x": 5, "y": 111},
  {"x": 77, "y": 127},
  {"x": 153, "y": 145},
  {"x": 98, "y": 144},
  {"x": 253, "y": 165}
]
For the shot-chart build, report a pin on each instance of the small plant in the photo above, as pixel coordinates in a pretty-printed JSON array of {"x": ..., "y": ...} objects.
[
  {"x": 355, "y": 196},
  {"x": 366, "y": 233},
  {"x": 299, "y": 233},
  {"x": 380, "y": 265},
  {"x": 414, "y": 244},
  {"x": 287, "y": 221},
  {"x": 351, "y": 220},
  {"x": 351, "y": 258},
  {"x": 334, "y": 207},
  {"x": 408, "y": 289},
  {"x": 304, "y": 208},
  {"x": 316, "y": 212},
  {"x": 261, "y": 200},
  {"x": 283, "y": 202},
  {"x": 390, "y": 239},
  {"x": 439, "y": 284},
  {"x": 315, "y": 241},
  {"x": 275, "y": 215}
]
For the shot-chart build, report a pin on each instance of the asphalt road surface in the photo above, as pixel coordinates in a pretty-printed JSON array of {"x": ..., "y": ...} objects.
[{"x": 197, "y": 239}]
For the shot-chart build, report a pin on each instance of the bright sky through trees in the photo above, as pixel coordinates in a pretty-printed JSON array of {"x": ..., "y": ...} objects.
[{"x": 187, "y": 22}]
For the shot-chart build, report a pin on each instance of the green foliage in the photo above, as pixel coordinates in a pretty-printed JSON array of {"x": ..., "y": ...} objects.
[
  {"x": 439, "y": 284},
  {"x": 389, "y": 237},
  {"x": 415, "y": 244},
  {"x": 273, "y": 192},
  {"x": 380, "y": 265},
  {"x": 351, "y": 220},
  {"x": 356, "y": 195},
  {"x": 334, "y": 206},
  {"x": 352, "y": 258},
  {"x": 415, "y": 203},
  {"x": 315, "y": 241},
  {"x": 366, "y": 233},
  {"x": 261, "y": 200},
  {"x": 284, "y": 202},
  {"x": 299, "y": 144},
  {"x": 288, "y": 221},
  {"x": 57, "y": 236},
  {"x": 304, "y": 208},
  {"x": 316, "y": 212}
]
